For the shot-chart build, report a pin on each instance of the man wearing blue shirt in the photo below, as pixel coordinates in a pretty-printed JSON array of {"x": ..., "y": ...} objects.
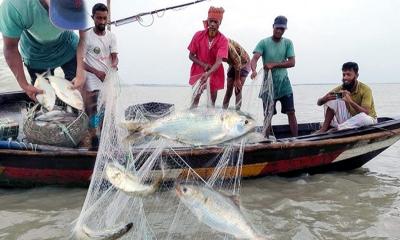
[{"x": 36, "y": 33}]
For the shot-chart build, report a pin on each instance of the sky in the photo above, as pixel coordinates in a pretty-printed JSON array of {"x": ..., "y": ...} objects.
[{"x": 325, "y": 34}]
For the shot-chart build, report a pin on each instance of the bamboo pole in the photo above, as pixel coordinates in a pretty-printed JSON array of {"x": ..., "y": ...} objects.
[{"x": 109, "y": 14}]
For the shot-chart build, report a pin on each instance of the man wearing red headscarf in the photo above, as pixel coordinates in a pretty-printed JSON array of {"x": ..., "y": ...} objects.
[{"x": 207, "y": 50}]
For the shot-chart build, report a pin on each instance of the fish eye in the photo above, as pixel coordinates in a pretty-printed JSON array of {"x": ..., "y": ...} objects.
[
  {"x": 184, "y": 190},
  {"x": 246, "y": 121}
]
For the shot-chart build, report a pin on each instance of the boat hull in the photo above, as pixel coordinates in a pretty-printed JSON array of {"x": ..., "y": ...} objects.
[
  {"x": 20, "y": 168},
  {"x": 335, "y": 151}
]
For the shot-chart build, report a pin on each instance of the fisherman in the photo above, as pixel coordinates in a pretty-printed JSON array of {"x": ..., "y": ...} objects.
[
  {"x": 41, "y": 29},
  {"x": 239, "y": 68},
  {"x": 349, "y": 105},
  {"x": 207, "y": 50},
  {"x": 100, "y": 56},
  {"x": 277, "y": 54}
]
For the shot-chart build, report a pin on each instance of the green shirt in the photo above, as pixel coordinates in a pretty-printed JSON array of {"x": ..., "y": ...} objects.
[
  {"x": 362, "y": 96},
  {"x": 42, "y": 45},
  {"x": 271, "y": 52}
]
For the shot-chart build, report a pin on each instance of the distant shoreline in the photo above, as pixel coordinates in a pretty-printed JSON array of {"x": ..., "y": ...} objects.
[{"x": 293, "y": 84}]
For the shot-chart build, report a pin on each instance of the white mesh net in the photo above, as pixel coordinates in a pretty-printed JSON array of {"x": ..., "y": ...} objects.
[{"x": 148, "y": 186}]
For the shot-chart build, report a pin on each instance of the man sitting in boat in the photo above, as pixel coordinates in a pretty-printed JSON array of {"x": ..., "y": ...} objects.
[
  {"x": 349, "y": 105},
  {"x": 39, "y": 28},
  {"x": 100, "y": 56}
]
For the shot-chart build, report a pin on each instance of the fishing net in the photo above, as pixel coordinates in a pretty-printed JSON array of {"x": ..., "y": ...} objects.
[
  {"x": 267, "y": 96},
  {"x": 8, "y": 129},
  {"x": 160, "y": 168},
  {"x": 57, "y": 133}
]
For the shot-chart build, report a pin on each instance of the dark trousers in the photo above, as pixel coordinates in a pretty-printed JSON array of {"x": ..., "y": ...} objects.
[{"x": 69, "y": 69}]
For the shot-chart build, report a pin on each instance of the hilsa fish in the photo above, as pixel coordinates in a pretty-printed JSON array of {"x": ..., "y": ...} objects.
[
  {"x": 129, "y": 183},
  {"x": 216, "y": 210},
  {"x": 48, "y": 98},
  {"x": 64, "y": 91},
  {"x": 54, "y": 115},
  {"x": 85, "y": 233},
  {"x": 196, "y": 127}
]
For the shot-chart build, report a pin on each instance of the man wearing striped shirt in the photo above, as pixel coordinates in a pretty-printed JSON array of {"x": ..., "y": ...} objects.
[{"x": 239, "y": 68}]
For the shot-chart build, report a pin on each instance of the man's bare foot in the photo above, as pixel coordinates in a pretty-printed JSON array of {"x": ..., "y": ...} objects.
[{"x": 320, "y": 131}]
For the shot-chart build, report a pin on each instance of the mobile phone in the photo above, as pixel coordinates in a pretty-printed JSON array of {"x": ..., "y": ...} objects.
[{"x": 338, "y": 95}]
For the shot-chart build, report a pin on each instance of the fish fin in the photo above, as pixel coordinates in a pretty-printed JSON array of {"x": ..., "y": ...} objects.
[
  {"x": 235, "y": 198},
  {"x": 47, "y": 73},
  {"x": 217, "y": 139},
  {"x": 41, "y": 75}
]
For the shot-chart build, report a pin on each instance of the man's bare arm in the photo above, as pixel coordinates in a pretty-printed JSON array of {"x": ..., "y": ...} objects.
[
  {"x": 213, "y": 68},
  {"x": 291, "y": 62},
  {"x": 194, "y": 59},
  {"x": 99, "y": 74},
  {"x": 80, "y": 73},
  {"x": 14, "y": 61},
  {"x": 347, "y": 98},
  {"x": 253, "y": 64},
  {"x": 114, "y": 60}
]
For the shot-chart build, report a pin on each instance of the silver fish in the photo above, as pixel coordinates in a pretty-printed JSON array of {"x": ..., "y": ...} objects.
[
  {"x": 54, "y": 115},
  {"x": 41, "y": 124},
  {"x": 216, "y": 210},
  {"x": 84, "y": 233},
  {"x": 48, "y": 98},
  {"x": 128, "y": 183},
  {"x": 197, "y": 127},
  {"x": 64, "y": 90}
]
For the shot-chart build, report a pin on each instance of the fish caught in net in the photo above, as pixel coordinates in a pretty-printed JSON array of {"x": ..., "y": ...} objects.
[{"x": 157, "y": 188}]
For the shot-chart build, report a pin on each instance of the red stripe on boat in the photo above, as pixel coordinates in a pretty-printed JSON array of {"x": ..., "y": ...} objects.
[
  {"x": 286, "y": 165},
  {"x": 47, "y": 176}
]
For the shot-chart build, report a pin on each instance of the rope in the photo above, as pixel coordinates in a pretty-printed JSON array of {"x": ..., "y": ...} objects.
[
  {"x": 148, "y": 25},
  {"x": 189, "y": 167},
  {"x": 76, "y": 119},
  {"x": 65, "y": 130},
  {"x": 22, "y": 145}
]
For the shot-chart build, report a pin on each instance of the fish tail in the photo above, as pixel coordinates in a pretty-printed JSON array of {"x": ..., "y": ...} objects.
[
  {"x": 155, "y": 186},
  {"x": 133, "y": 138},
  {"x": 133, "y": 126}
]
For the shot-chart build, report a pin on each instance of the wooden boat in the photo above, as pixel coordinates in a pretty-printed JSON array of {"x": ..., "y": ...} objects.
[{"x": 23, "y": 165}]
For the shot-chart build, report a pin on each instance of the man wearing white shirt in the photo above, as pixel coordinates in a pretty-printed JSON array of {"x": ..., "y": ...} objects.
[{"x": 100, "y": 56}]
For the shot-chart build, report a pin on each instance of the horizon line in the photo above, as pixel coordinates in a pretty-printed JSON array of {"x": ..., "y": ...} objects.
[{"x": 187, "y": 85}]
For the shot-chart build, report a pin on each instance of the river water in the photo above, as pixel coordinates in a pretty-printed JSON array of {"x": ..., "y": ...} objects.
[{"x": 361, "y": 204}]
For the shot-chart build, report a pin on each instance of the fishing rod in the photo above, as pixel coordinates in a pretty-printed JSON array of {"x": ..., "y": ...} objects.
[{"x": 137, "y": 17}]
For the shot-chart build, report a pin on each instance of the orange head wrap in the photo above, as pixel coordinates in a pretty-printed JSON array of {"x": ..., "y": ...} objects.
[{"x": 215, "y": 14}]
